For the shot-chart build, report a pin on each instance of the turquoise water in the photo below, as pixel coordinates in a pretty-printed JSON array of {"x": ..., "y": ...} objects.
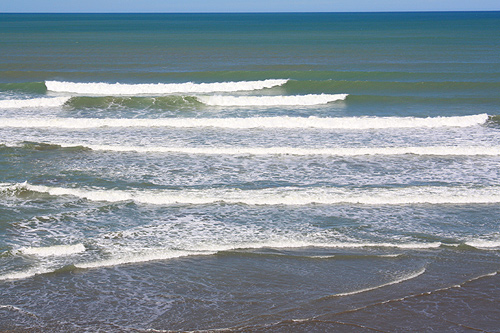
[{"x": 249, "y": 172}]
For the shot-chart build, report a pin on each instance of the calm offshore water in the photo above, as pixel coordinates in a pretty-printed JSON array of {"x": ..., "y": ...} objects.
[{"x": 250, "y": 172}]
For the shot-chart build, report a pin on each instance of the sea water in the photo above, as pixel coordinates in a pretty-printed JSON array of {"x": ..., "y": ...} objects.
[{"x": 249, "y": 172}]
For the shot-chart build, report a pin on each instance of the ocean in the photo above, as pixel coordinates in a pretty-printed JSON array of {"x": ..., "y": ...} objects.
[{"x": 300, "y": 172}]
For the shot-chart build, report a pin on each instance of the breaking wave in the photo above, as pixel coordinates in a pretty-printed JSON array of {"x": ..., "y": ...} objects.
[
  {"x": 303, "y": 100},
  {"x": 101, "y": 88},
  {"x": 355, "y": 123},
  {"x": 484, "y": 244},
  {"x": 281, "y": 196}
]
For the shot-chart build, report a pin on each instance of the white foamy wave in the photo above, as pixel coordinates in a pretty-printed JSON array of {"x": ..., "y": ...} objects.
[
  {"x": 402, "y": 279},
  {"x": 484, "y": 244},
  {"x": 433, "y": 151},
  {"x": 33, "y": 103},
  {"x": 355, "y": 123},
  {"x": 55, "y": 250},
  {"x": 9, "y": 188},
  {"x": 100, "y": 88},
  {"x": 304, "y": 100},
  {"x": 288, "y": 195}
]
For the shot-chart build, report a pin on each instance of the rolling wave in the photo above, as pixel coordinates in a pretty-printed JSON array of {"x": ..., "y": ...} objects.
[
  {"x": 101, "y": 88},
  {"x": 33, "y": 103},
  {"x": 355, "y": 123},
  {"x": 289, "y": 196}
]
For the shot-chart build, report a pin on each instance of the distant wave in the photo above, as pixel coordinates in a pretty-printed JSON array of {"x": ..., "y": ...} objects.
[
  {"x": 280, "y": 196},
  {"x": 301, "y": 100},
  {"x": 33, "y": 103},
  {"x": 355, "y": 123},
  {"x": 100, "y": 88}
]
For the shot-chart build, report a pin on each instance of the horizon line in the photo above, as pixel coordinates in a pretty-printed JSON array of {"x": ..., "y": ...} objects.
[{"x": 272, "y": 12}]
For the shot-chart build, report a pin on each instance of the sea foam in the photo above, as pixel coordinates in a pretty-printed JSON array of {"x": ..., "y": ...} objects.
[{"x": 101, "y": 88}]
